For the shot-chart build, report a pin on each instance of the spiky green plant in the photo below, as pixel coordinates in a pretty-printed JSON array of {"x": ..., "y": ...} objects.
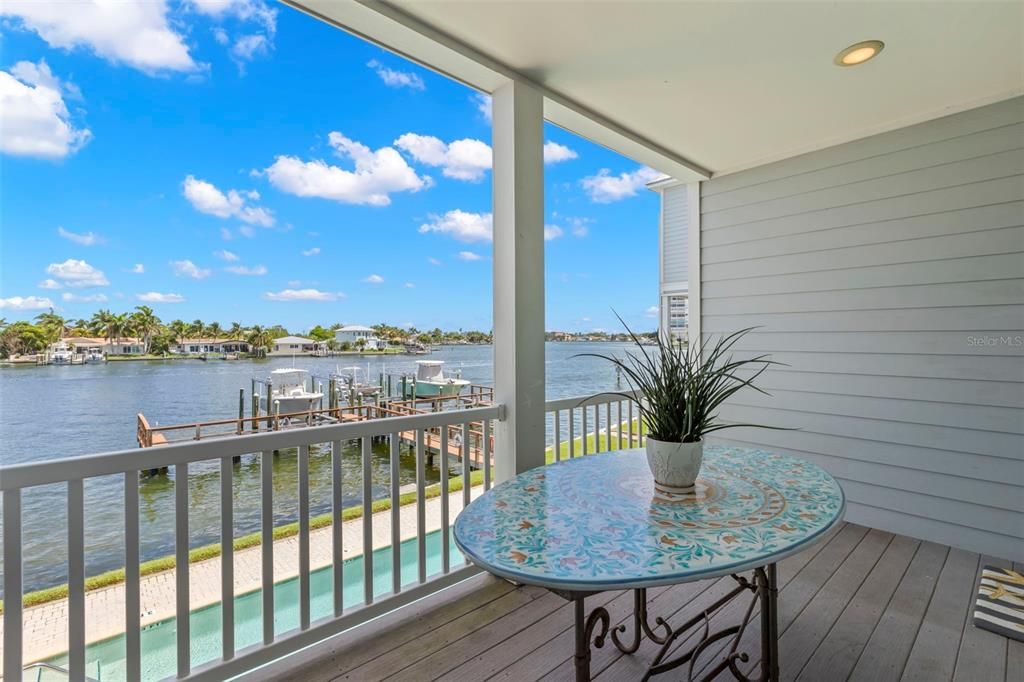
[{"x": 680, "y": 388}]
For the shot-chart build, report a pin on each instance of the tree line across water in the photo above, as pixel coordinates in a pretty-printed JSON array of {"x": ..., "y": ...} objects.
[{"x": 28, "y": 337}]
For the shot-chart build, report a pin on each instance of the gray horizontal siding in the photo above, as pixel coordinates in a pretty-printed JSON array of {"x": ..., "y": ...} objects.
[
  {"x": 675, "y": 240},
  {"x": 888, "y": 275}
]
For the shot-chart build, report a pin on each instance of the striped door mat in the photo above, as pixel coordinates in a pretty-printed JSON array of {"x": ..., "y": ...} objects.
[{"x": 1000, "y": 603}]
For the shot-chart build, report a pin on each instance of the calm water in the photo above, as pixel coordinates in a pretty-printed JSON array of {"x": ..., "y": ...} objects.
[{"x": 51, "y": 412}]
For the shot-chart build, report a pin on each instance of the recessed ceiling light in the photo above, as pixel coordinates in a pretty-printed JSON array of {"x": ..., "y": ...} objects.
[{"x": 858, "y": 53}]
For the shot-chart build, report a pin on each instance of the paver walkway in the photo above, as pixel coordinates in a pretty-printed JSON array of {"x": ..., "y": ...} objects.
[{"x": 46, "y": 626}]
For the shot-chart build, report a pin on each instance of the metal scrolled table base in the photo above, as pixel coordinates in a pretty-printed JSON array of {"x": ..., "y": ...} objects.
[{"x": 595, "y": 628}]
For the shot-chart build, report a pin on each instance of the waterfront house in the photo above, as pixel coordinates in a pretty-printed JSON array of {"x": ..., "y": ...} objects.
[
  {"x": 209, "y": 345},
  {"x": 292, "y": 345},
  {"x": 125, "y": 345},
  {"x": 359, "y": 337},
  {"x": 865, "y": 214}
]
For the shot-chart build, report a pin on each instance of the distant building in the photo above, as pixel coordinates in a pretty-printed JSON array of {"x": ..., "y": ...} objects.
[
  {"x": 292, "y": 345},
  {"x": 354, "y": 333},
  {"x": 199, "y": 346},
  {"x": 123, "y": 346}
]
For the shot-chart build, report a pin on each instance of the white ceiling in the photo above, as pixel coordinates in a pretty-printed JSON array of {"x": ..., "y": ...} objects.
[{"x": 728, "y": 85}]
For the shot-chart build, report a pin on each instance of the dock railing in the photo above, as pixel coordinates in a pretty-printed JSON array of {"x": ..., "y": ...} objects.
[{"x": 576, "y": 427}]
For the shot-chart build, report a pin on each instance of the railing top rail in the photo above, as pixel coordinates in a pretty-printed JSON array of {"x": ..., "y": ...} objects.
[
  {"x": 32, "y": 474},
  {"x": 582, "y": 401}
]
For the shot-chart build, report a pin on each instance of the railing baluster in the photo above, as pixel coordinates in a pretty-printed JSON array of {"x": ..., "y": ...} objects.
[
  {"x": 132, "y": 597},
  {"x": 303, "y": 474},
  {"x": 584, "y": 429},
  {"x": 618, "y": 421},
  {"x": 558, "y": 437},
  {"x": 337, "y": 528},
  {"x": 396, "y": 519},
  {"x": 421, "y": 514},
  {"x": 466, "y": 474},
  {"x": 267, "y": 542},
  {"x": 367, "y": 520},
  {"x": 629, "y": 405},
  {"x": 76, "y": 580},
  {"x": 182, "y": 614},
  {"x": 608, "y": 426},
  {"x": 572, "y": 432},
  {"x": 486, "y": 452},
  {"x": 12, "y": 585},
  {"x": 227, "y": 558},
  {"x": 443, "y": 469}
]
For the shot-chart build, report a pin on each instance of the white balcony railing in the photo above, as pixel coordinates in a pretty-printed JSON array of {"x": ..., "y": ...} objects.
[{"x": 575, "y": 427}]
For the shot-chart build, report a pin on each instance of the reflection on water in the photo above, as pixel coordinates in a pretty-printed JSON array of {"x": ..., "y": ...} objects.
[{"x": 59, "y": 411}]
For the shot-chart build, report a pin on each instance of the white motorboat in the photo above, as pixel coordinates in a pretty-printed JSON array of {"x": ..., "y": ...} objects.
[
  {"x": 288, "y": 392},
  {"x": 62, "y": 354},
  {"x": 431, "y": 381},
  {"x": 95, "y": 355}
]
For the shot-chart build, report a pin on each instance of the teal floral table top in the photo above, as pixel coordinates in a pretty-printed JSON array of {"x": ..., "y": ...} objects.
[{"x": 596, "y": 522}]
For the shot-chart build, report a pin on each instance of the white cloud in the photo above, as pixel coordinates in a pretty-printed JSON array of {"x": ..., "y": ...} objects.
[
  {"x": 397, "y": 79},
  {"x": 410, "y": 285},
  {"x": 77, "y": 274},
  {"x": 87, "y": 239},
  {"x": 138, "y": 269},
  {"x": 186, "y": 268},
  {"x": 226, "y": 255},
  {"x": 248, "y": 47},
  {"x": 580, "y": 226},
  {"x": 483, "y": 105},
  {"x": 69, "y": 297},
  {"x": 377, "y": 175},
  {"x": 50, "y": 284},
  {"x": 36, "y": 121},
  {"x": 25, "y": 303},
  {"x": 246, "y": 231},
  {"x": 132, "y": 32},
  {"x": 373, "y": 279},
  {"x": 468, "y": 256},
  {"x": 462, "y": 225},
  {"x": 302, "y": 295},
  {"x": 555, "y": 153},
  {"x": 433, "y": 261},
  {"x": 255, "y": 11},
  {"x": 311, "y": 252},
  {"x": 651, "y": 311},
  {"x": 552, "y": 232},
  {"x": 225, "y": 234},
  {"x": 256, "y": 270},
  {"x": 465, "y": 159},
  {"x": 221, "y": 36},
  {"x": 156, "y": 297},
  {"x": 604, "y": 188},
  {"x": 205, "y": 197}
]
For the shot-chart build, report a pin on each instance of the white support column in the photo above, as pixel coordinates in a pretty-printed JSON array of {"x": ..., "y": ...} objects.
[
  {"x": 695, "y": 274},
  {"x": 518, "y": 197}
]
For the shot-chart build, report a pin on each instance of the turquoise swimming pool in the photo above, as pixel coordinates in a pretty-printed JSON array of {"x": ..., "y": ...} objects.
[{"x": 106, "y": 660}]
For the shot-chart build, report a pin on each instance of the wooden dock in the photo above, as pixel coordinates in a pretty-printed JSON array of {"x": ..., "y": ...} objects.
[{"x": 148, "y": 435}]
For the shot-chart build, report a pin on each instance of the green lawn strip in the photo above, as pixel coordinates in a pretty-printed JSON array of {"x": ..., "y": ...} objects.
[{"x": 116, "y": 576}]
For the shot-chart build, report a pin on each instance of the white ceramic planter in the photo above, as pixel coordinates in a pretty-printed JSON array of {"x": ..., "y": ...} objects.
[{"x": 675, "y": 466}]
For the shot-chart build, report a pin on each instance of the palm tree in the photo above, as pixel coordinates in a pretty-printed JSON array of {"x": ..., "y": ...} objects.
[
  {"x": 104, "y": 322},
  {"x": 179, "y": 330},
  {"x": 236, "y": 332},
  {"x": 196, "y": 328},
  {"x": 145, "y": 323},
  {"x": 260, "y": 338},
  {"x": 53, "y": 325},
  {"x": 214, "y": 330},
  {"x": 121, "y": 326}
]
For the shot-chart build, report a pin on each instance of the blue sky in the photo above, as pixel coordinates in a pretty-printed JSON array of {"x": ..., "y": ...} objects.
[{"x": 232, "y": 160}]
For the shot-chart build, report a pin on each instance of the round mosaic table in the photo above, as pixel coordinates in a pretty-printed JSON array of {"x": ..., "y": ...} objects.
[{"x": 597, "y": 523}]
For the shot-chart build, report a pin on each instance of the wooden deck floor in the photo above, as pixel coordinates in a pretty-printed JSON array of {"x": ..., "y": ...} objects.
[{"x": 861, "y": 605}]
